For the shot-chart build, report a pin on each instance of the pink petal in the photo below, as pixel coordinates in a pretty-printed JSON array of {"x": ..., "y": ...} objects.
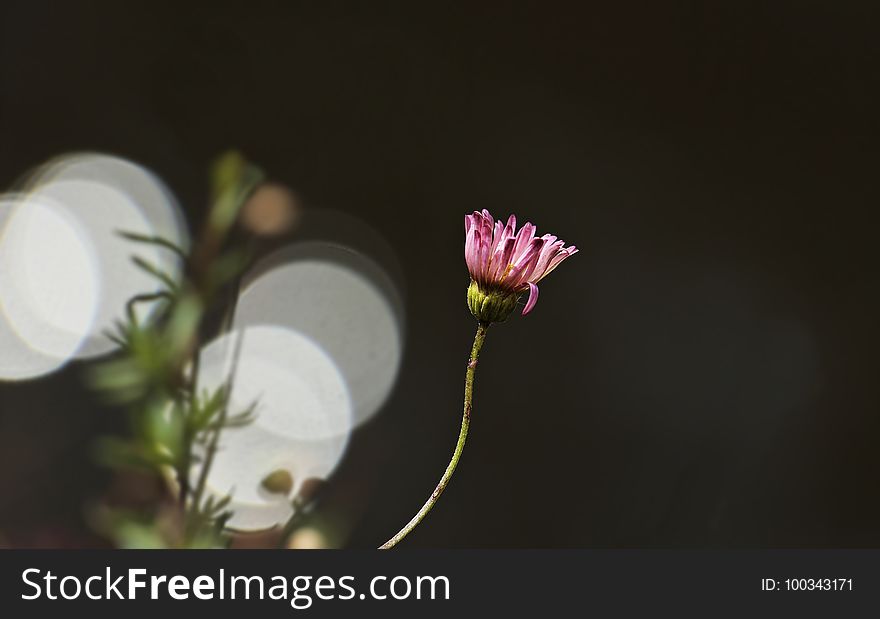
[
  {"x": 533, "y": 298},
  {"x": 547, "y": 254},
  {"x": 481, "y": 221},
  {"x": 533, "y": 250},
  {"x": 502, "y": 260},
  {"x": 486, "y": 229},
  {"x": 525, "y": 275},
  {"x": 525, "y": 264},
  {"x": 483, "y": 256},
  {"x": 497, "y": 236},
  {"x": 497, "y": 254},
  {"x": 510, "y": 228},
  {"x": 558, "y": 258},
  {"x": 523, "y": 239},
  {"x": 471, "y": 251}
]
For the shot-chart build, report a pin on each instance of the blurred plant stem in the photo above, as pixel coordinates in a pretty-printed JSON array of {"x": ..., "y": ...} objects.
[
  {"x": 479, "y": 338},
  {"x": 174, "y": 425}
]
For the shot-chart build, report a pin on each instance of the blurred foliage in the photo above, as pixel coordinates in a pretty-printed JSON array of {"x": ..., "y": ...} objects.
[{"x": 174, "y": 425}]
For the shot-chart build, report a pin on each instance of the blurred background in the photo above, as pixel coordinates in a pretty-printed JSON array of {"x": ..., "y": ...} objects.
[{"x": 704, "y": 372}]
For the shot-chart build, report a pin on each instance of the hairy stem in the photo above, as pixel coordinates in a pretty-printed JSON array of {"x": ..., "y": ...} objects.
[{"x": 459, "y": 446}]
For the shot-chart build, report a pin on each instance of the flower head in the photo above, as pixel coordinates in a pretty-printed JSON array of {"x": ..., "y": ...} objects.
[{"x": 504, "y": 263}]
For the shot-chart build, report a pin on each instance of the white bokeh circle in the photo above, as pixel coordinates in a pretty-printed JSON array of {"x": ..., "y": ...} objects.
[
  {"x": 302, "y": 425},
  {"x": 65, "y": 271},
  {"x": 51, "y": 285},
  {"x": 338, "y": 299}
]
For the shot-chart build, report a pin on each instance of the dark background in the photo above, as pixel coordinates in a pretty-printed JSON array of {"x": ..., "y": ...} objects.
[{"x": 703, "y": 373}]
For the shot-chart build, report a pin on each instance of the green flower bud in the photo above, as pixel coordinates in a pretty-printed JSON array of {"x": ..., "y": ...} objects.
[{"x": 491, "y": 305}]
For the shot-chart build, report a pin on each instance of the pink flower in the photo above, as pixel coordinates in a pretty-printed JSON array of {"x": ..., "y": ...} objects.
[{"x": 504, "y": 263}]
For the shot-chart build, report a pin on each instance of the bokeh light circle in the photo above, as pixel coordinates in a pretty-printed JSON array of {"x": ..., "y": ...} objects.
[
  {"x": 340, "y": 300},
  {"x": 50, "y": 283},
  {"x": 302, "y": 425},
  {"x": 66, "y": 273}
]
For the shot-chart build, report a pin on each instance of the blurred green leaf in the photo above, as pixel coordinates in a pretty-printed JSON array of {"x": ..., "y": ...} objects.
[
  {"x": 232, "y": 181},
  {"x": 162, "y": 276},
  {"x": 134, "y": 536},
  {"x": 154, "y": 240},
  {"x": 183, "y": 325},
  {"x": 154, "y": 375},
  {"x": 227, "y": 267}
]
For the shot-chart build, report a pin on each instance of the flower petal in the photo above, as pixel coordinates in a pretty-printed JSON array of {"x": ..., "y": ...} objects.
[
  {"x": 523, "y": 240},
  {"x": 533, "y": 298},
  {"x": 510, "y": 228},
  {"x": 499, "y": 255},
  {"x": 483, "y": 255},
  {"x": 550, "y": 251},
  {"x": 558, "y": 258},
  {"x": 471, "y": 251},
  {"x": 503, "y": 259},
  {"x": 525, "y": 265}
]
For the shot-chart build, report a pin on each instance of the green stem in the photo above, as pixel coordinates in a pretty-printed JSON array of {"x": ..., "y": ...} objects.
[{"x": 459, "y": 446}]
